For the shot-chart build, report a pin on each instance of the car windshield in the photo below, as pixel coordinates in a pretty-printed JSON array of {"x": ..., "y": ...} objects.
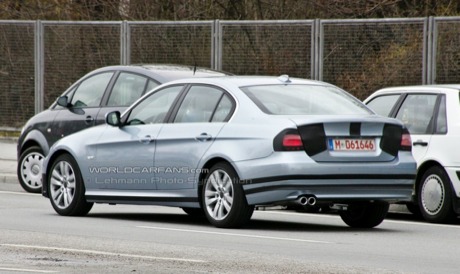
[{"x": 304, "y": 100}]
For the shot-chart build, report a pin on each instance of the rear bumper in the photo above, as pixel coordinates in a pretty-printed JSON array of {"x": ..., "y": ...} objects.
[
  {"x": 286, "y": 176},
  {"x": 330, "y": 191}
]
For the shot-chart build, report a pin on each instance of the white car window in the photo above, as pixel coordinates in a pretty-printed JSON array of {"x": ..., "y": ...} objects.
[
  {"x": 383, "y": 105},
  {"x": 417, "y": 112},
  {"x": 441, "y": 122}
]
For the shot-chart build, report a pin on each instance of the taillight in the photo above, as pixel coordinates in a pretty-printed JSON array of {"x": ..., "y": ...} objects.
[
  {"x": 406, "y": 141},
  {"x": 288, "y": 140}
]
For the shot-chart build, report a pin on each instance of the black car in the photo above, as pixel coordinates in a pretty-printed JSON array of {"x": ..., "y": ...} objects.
[{"x": 85, "y": 104}]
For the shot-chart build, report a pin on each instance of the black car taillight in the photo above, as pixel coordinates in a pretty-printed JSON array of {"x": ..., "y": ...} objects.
[
  {"x": 288, "y": 140},
  {"x": 406, "y": 141}
]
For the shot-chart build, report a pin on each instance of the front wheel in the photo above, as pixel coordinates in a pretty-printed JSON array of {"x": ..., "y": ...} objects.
[
  {"x": 365, "y": 214},
  {"x": 224, "y": 201},
  {"x": 30, "y": 169},
  {"x": 66, "y": 187},
  {"x": 435, "y": 196}
]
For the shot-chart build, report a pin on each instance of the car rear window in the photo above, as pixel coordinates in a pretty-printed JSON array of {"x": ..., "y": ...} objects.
[{"x": 304, "y": 100}]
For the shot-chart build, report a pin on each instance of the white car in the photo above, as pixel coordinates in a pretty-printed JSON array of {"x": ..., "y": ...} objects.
[{"x": 432, "y": 115}]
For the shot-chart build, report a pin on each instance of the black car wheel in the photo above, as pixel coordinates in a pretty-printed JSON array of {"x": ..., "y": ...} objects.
[
  {"x": 30, "y": 169},
  {"x": 195, "y": 212},
  {"x": 365, "y": 214},
  {"x": 66, "y": 187},
  {"x": 414, "y": 209},
  {"x": 224, "y": 201},
  {"x": 435, "y": 196}
]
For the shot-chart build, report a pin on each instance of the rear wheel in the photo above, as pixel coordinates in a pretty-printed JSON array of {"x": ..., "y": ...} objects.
[
  {"x": 365, "y": 214},
  {"x": 435, "y": 196},
  {"x": 30, "y": 169},
  {"x": 224, "y": 201},
  {"x": 66, "y": 187}
]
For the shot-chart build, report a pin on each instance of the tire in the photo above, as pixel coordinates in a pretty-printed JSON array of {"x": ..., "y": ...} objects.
[
  {"x": 66, "y": 187},
  {"x": 29, "y": 169},
  {"x": 435, "y": 196},
  {"x": 365, "y": 214},
  {"x": 195, "y": 212},
  {"x": 224, "y": 201}
]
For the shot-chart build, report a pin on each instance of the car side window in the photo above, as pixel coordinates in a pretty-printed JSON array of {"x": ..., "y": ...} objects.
[
  {"x": 90, "y": 91},
  {"x": 151, "y": 85},
  {"x": 198, "y": 105},
  {"x": 417, "y": 112},
  {"x": 154, "y": 108},
  {"x": 383, "y": 105},
  {"x": 223, "y": 110},
  {"x": 441, "y": 122},
  {"x": 128, "y": 88}
]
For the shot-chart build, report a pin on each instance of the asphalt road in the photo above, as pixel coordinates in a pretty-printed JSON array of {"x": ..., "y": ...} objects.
[{"x": 139, "y": 239}]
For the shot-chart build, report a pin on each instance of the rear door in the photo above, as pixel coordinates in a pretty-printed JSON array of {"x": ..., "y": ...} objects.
[
  {"x": 182, "y": 143},
  {"x": 418, "y": 112}
]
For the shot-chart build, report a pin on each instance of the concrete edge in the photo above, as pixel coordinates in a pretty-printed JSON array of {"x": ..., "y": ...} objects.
[{"x": 6, "y": 178}]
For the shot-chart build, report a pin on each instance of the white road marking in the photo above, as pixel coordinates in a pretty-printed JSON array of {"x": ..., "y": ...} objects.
[
  {"x": 96, "y": 252},
  {"x": 338, "y": 217},
  {"x": 236, "y": 234},
  {"x": 292, "y": 213},
  {"x": 27, "y": 270},
  {"x": 20, "y": 193}
]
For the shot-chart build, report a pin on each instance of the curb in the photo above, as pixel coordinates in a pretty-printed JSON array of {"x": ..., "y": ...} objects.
[{"x": 6, "y": 178}]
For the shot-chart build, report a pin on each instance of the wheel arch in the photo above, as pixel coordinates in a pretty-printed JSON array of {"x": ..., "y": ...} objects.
[
  {"x": 421, "y": 171},
  {"x": 54, "y": 156},
  {"x": 34, "y": 138},
  {"x": 205, "y": 170}
]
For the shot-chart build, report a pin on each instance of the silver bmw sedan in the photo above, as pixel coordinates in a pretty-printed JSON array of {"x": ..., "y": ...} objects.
[{"x": 220, "y": 146}]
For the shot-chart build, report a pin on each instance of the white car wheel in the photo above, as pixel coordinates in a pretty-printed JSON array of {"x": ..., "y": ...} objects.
[
  {"x": 435, "y": 196},
  {"x": 30, "y": 169}
]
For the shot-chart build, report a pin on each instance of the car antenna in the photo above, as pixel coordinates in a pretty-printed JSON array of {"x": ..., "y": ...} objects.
[{"x": 194, "y": 68}]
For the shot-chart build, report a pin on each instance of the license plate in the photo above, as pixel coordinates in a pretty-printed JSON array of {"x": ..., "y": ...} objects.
[{"x": 352, "y": 144}]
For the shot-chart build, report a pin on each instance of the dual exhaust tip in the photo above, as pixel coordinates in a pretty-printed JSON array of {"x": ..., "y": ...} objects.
[{"x": 307, "y": 200}]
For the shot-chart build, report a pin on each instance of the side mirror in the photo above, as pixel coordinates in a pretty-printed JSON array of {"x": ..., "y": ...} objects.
[
  {"x": 63, "y": 101},
  {"x": 113, "y": 119}
]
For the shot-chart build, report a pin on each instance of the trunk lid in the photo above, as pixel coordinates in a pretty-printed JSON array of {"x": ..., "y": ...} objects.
[{"x": 350, "y": 138}]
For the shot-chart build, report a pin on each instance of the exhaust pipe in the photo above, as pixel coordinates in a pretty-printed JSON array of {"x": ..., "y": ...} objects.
[
  {"x": 303, "y": 200},
  {"x": 307, "y": 200}
]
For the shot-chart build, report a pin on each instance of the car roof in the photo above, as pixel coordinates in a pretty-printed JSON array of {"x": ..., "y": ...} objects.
[
  {"x": 251, "y": 80},
  {"x": 166, "y": 72},
  {"x": 437, "y": 88}
]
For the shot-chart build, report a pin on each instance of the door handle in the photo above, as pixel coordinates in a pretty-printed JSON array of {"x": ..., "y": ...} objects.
[
  {"x": 420, "y": 143},
  {"x": 89, "y": 119},
  {"x": 146, "y": 139},
  {"x": 203, "y": 137}
]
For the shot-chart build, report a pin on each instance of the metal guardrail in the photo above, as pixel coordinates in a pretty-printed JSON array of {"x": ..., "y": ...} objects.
[{"x": 40, "y": 59}]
